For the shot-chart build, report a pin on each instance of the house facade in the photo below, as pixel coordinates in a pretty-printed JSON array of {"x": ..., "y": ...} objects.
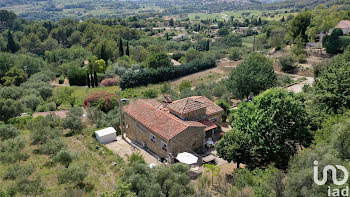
[
  {"x": 170, "y": 128},
  {"x": 345, "y": 26}
]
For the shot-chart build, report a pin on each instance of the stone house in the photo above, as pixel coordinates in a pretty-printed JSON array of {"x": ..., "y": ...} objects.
[
  {"x": 170, "y": 128},
  {"x": 345, "y": 26}
]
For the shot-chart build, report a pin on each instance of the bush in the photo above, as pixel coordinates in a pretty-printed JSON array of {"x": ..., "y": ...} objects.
[
  {"x": 184, "y": 85},
  {"x": 44, "y": 107},
  {"x": 61, "y": 80},
  {"x": 235, "y": 54},
  {"x": 150, "y": 93},
  {"x": 73, "y": 120},
  {"x": 109, "y": 82},
  {"x": 11, "y": 92},
  {"x": 9, "y": 108},
  {"x": 31, "y": 101},
  {"x": 140, "y": 77},
  {"x": 15, "y": 171},
  {"x": 74, "y": 174},
  {"x": 64, "y": 157},
  {"x": 287, "y": 62},
  {"x": 77, "y": 76},
  {"x": 52, "y": 146},
  {"x": 102, "y": 100},
  {"x": 8, "y": 131},
  {"x": 284, "y": 80}
]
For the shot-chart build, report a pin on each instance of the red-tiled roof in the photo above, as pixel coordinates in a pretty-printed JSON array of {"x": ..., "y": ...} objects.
[
  {"x": 150, "y": 115},
  {"x": 209, "y": 124},
  {"x": 344, "y": 24},
  {"x": 212, "y": 108},
  {"x": 186, "y": 105}
]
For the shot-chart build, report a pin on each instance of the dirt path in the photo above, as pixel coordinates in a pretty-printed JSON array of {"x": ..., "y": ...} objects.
[
  {"x": 223, "y": 69},
  {"x": 299, "y": 87}
]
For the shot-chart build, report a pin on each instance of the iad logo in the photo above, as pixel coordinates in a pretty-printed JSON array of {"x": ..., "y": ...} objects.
[{"x": 335, "y": 192}]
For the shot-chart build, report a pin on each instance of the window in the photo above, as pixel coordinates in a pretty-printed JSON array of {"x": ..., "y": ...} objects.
[
  {"x": 164, "y": 146},
  {"x": 153, "y": 138},
  {"x": 140, "y": 127}
]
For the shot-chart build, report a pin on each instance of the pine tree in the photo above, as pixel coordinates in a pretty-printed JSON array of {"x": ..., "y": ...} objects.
[
  {"x": 127, "y": 49},
  {"x": 87, "y": 79},
  {"x": 121, "y": 50},
  {"x": 11, "y": 44},
  {"x": 95, "y": 78}
]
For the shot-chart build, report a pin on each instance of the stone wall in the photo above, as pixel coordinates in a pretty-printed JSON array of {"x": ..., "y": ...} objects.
[{"x": 190, "y": 139}]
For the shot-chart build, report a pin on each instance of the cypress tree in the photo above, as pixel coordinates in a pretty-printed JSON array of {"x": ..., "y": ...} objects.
[
  {"x": 103, "y": 54},
  {"x": 87, "y": 79},
  {"x": 92, "y": 80},
  {"x": 127, "y": 49},
  {"x": 121, "y": 50},
  {"x": 95, "y": 79},
  {"x": 207, "y": 47},
  {"x": 11, "y": 44},
  {"x": 259, "y": 21}
]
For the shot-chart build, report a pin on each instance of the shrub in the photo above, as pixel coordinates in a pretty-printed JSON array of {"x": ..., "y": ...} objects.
[
  {"x": 61, "y": 80},
  {"x": 146, "y": 76},
  {"x": 8, "y": 131},
  {"x": 235, "y": 54},
  {"x": 31, "y": 101},
  {"x": 52, "y": 146},
  {"x": 136, "y": 157},
  {"x": 109, "y": 82},
  {"x": 286, "y": 62},
  {"x": 64, "y": 157},
  {"x": 150, "y": 93},
  {"x": 73, "y": 120},
  {"x": 11, "y": 92},
  {"x": 9, "y": 108},
  {"x": 74, "y": 174},
  {"x": 77, "y": 76},
  {"x": 43, "y": 107},
  {"x": 102, "y": 100},
  {"x": 184, "y": 85},
  {"x": 15, "y": 171},
  {"x": 284, "y": 80}
]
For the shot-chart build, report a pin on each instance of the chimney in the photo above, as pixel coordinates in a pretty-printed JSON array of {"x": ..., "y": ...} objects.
[{"x": 167, "y": 100}]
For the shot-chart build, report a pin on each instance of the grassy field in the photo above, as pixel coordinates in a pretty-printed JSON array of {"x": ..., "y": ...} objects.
[
  {"x": 102, "y": 175},
  {"x": 237, "y": 14}
]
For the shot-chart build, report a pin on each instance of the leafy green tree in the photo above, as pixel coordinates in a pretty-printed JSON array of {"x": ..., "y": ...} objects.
[
  {"x": 213, "y": 169},
  {"x": 340, "y": 141},
  {"x": 332, "y": 85},
  {"x": 192, "y": 54},
  {"x": 15, "y": 76},
  {"x": 27, "y": 186},
  {"x": 235, "y": 54},
  {"x": 73, "y": 120},
  {"x": 11, "y": 151},
  {"x": 136, "y": 157},
  {"x": 226, "y": 107},
  {"x": 287, "y": 62},
  {"x": 123, "y": 190},
  {"x": 300, "y": 176},
  {"x": 275, "y": 124},
  {"x": 9, "y": 108},
  {"x": 254, "y": 75},
  {"x": 171, "y": 22},
  {"x": 31, "y": 101},
  {"x": 74, "y": 174},
  {"x": 51, "y": 146},
  {"x": 158, "y": 60},
  {"x": 332, "y": 42},
  {"x": 299, "y": 25},
  {"x": 17, "y": 171},
  {"x": 139, "y": 53},
  {"x": 235, "y": 146},
  {"x": 223, "y": 32},
  {"x": 64, "y": 157},
  {"x": 8, "y": 131}
]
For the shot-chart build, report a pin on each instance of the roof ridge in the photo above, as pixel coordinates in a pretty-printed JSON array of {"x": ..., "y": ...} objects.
[{"x": 176, "y": 119}]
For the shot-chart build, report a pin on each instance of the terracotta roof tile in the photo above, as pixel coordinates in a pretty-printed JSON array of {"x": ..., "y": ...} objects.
[
  {"x": 186, "y": 105},
  {"x": 212, "y": 108},
  {"x": 209, "y": 124},
  {"x": 344, "y": 24},
  {"x": 161, "y": 122}
]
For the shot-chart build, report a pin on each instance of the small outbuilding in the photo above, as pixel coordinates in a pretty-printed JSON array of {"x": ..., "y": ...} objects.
[{"x": 106, "y": 135}]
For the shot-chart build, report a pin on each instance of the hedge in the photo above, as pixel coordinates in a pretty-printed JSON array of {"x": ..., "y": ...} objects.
[{"x": 144, "y": 77}]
